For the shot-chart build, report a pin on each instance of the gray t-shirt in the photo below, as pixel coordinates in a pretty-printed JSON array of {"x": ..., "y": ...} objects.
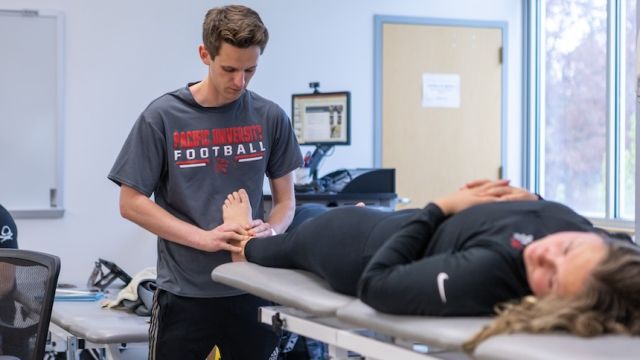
[{"x": 190, "y": 158}]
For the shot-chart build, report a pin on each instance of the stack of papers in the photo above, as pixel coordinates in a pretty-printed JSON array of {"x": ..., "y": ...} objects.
[{"x": 78, "y": 295}]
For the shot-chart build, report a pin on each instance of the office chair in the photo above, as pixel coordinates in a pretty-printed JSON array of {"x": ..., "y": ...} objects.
[{"x": 30, "y": 279}]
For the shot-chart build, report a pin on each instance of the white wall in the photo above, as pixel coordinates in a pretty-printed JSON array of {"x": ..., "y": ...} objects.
[{"x": 122, "y": 54}]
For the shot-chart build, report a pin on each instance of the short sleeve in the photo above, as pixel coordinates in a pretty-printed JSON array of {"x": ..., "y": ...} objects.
[
  {"x": 285, "y": 152},
  {"x": 142, "y": 159}
]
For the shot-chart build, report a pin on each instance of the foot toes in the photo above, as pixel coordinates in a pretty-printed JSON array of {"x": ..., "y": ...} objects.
[{"x": 244, "y": 197}]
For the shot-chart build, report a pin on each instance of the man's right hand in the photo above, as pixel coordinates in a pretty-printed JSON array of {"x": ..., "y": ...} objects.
[
  {"x": 138, "y": 208},
  {"x": 220, "y": 237}
]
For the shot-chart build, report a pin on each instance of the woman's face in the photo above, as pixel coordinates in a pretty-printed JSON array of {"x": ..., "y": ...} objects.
[{"x": 560, "y": 263}]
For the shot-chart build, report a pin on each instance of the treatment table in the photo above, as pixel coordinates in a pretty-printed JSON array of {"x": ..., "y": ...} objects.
[
  {"x": 88, "y": 325},
  {"x": 310, "y": 308}
]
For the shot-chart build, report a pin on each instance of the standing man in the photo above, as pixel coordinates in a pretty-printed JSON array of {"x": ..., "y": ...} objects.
[{"x": 190, "y": 148}]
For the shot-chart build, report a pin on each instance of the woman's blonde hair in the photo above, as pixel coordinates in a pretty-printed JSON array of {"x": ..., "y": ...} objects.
[{"x": 610, "y": 303}]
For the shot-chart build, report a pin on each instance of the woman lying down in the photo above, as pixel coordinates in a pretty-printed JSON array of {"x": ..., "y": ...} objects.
[{"x": 487, "y": 246}]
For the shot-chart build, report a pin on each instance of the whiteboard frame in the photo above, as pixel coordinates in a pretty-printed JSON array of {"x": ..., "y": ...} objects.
[{"x": 56, "y": 209}]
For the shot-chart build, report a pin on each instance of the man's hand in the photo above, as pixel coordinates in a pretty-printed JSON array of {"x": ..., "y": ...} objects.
[
  {"x": 258, "y": 228},
  {"x": 220, "y": 237}
]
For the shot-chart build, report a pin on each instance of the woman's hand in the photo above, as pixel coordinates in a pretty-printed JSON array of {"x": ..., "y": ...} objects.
[
  {"x": 505, "y": 193},
  {"x": 473, "y": 193}
]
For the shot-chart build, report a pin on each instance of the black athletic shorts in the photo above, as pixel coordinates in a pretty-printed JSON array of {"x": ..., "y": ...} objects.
[{"x": 188, "y": 328}]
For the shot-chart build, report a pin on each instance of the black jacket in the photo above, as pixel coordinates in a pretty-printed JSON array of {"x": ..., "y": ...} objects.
[{"x": 464, "y": 264}]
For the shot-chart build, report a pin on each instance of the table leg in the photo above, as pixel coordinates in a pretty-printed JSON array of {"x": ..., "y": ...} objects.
[{"x": 72, "y": 347}]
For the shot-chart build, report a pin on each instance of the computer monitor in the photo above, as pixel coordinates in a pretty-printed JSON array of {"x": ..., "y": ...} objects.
[{"x": 322, "y": 118}]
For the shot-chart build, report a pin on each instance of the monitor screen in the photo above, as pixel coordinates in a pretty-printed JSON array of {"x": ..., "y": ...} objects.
[{"x": 322, "y": 118}]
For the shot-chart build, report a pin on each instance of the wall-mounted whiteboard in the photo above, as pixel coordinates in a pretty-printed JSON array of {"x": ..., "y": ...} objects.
[{"x": 31, "y": 113}]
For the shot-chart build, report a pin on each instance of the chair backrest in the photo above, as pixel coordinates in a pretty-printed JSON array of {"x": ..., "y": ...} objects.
[{"x": 28, "y": 281}]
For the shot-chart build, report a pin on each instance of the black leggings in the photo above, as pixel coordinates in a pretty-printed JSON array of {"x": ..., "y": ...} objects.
[{"x": 335, "y": 244}]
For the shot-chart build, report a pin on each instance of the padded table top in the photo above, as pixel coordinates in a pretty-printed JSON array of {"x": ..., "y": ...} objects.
[
  {"x": 558, "y": 346},
  {"x": 89, "y": 321},
  {"x": 296, "y": 288},
  {"x": 305, "y": 291},
  {"x": 444, "y": 332}
]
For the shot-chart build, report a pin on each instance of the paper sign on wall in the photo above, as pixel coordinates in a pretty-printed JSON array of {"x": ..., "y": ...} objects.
[{"x": 441, "y": 90}]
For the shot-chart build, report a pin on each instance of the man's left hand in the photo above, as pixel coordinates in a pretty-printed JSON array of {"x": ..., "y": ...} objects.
[{"x": 258, "y": 228}]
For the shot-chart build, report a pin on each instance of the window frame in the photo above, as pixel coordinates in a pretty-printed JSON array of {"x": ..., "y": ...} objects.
[{"x": 534, "y": 110}]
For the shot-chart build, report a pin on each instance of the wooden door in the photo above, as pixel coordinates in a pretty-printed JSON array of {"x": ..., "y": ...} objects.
[{"x": 441, "y": 106}]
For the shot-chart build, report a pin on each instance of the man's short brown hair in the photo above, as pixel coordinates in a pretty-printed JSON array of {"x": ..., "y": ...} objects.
[{"x": 236, "y": 25}]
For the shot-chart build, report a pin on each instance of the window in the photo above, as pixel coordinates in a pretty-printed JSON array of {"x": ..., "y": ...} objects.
[{"x": 582, "y": 104}]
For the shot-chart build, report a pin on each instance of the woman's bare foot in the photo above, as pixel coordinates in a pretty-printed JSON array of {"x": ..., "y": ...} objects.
[
  {"x": 237, "y": 208},
  {"x": 238, "y": 256}
]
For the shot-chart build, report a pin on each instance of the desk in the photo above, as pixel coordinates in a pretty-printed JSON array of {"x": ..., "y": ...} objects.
[
  {"x": 386, "y": 201},
  {"x": 103, "y": 328}
]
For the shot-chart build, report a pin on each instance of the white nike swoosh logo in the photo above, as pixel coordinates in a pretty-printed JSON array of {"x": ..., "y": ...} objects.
[{"x": 441, "y": 278}]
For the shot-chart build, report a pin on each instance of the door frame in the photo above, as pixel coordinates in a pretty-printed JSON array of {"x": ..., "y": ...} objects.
[{"x": 380, "y": 21}]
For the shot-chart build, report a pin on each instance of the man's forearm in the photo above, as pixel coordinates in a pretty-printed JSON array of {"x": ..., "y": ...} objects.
[
  {"x": 141, "y": 210},
  {"x": 281, "y": 215},
  {"x": 284, "y": 203}
]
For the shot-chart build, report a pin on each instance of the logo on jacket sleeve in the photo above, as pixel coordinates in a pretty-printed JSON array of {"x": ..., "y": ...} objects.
[
  {"x": 519, "y": 240},
  {"x": 440, "y": 279}
]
